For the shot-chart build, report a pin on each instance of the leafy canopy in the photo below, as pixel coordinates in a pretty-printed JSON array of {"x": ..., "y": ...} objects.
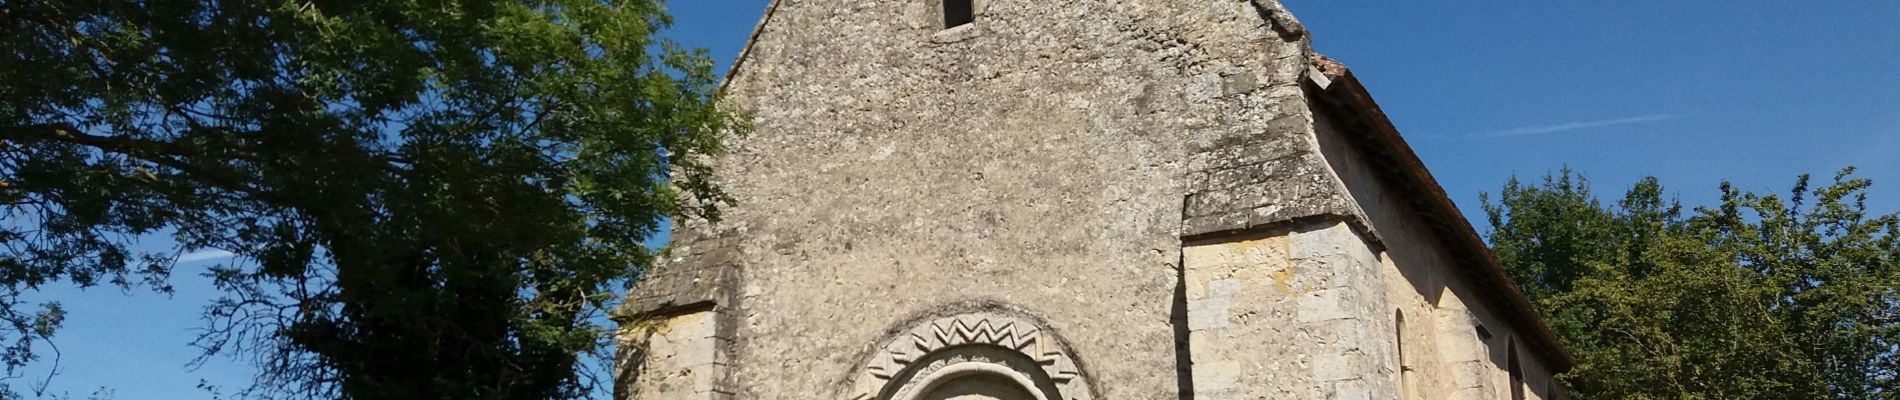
[
  {"x": 429, "y": 198},
  {"x": 1758, "y": 297}
]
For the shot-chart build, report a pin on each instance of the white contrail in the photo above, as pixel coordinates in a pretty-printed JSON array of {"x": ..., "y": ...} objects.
[
  {"x": 1565, "y": 127},
  {"x": 202, "y": 255}
]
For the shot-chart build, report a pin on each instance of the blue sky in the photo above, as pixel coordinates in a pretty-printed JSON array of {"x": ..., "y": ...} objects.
[
  {"x": 1751, "y": 91},
  {"x": 1691, "y": 92}
]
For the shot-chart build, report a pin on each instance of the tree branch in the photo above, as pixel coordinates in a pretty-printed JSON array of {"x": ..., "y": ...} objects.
[{"x": 155, "y": 152}]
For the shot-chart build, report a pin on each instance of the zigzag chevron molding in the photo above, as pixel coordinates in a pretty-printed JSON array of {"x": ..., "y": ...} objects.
[{"x": 996, "y": 330}]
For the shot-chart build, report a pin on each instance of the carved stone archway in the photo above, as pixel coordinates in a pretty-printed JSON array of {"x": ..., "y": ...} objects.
[{"x": 974, "y": 355}]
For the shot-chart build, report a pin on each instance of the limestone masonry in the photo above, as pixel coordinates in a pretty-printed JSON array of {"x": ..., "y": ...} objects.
[{"x": 1071, "y": 200}]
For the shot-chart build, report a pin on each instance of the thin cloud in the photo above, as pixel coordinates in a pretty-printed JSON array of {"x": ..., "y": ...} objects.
[
  {"x": 1538, "y": 130},
  {"x": 203, "y": 255}
]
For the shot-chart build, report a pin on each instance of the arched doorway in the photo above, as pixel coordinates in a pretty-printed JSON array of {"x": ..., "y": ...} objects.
[{"x": 979, "y": 387}]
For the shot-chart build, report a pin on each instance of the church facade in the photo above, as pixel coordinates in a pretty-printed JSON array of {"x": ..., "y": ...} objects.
[{"x": 1071, "y": 200}]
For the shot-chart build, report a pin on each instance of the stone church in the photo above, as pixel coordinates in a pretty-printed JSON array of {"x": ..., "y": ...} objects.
[{"x": 1071, "y": 200}]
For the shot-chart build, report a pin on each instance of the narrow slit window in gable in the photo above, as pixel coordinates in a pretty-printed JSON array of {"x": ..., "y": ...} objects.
[{"x": 958, "y": 13}]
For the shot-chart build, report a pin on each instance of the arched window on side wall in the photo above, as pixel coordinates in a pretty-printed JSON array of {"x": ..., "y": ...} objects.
[
  {"x": 1405, "y": 370},
  {"x": 1516, "y": 370}
]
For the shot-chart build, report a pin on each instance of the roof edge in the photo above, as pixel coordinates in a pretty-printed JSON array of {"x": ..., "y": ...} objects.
[
  {"x": 1344, "y": 91},
  {"x": 750, "y": 41}
]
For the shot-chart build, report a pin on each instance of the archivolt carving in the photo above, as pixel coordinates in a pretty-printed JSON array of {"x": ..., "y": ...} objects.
[{"x": 988, "y": 329}]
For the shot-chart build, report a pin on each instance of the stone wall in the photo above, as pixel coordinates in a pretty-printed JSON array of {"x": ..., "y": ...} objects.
[
  {"x": 1048, "y": 162},
  {"x": 1282, "y": 314},
  {"x": 671, "y": 358},
  {"x": 1039, "y": 157},
  {"x": 1448, "y": 357}
]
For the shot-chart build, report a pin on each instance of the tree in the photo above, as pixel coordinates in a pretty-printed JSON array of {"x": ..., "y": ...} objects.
[
  {"x": 1758, "y": 297},
  {"x": 429, "y": 198}
]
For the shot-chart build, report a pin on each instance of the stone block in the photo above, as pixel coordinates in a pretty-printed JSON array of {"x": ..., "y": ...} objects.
[
  {"x": 1212, "y": 313},
  {"x": 1351, "y": 390},
  {"x": 1337, "y": 365},
  {"x": 1324, "y": 305},
  {"x": 1223, "y": 288},
  {"x": 1216, "y": 377}
]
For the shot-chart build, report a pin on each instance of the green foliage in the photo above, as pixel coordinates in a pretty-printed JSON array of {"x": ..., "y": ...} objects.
[
  {"x": 429, "y": 198},
  {"x": 1759, "y": 297}
]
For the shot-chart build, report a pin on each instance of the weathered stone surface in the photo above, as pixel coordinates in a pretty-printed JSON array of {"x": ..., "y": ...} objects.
[
  {"x": 1294, "y": 315},
  {"x": 987, "y": 337},
  {"x": 670, "y": 358},
  {"x": 1443, "y": 309},
  {"x": 1048, "y": 162},
  {"x": 695, "y": 273},
  {"x": 1039, "y": 158}
]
